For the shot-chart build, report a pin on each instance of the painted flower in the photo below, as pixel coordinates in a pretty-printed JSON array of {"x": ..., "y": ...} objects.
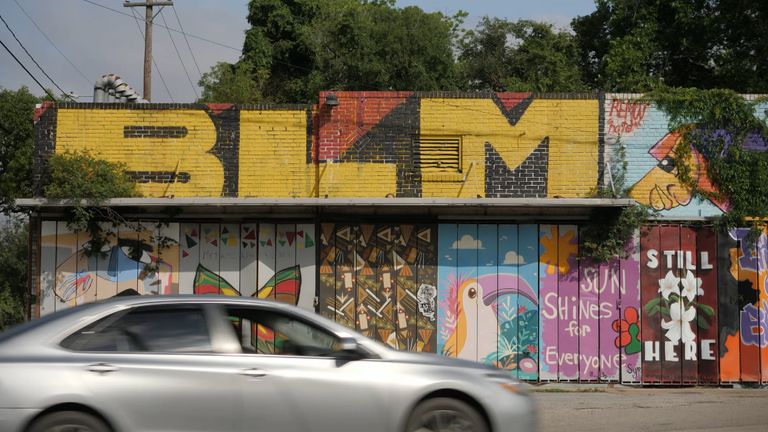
[
  {"x": 629, "y": 331},
  {"x": 691, "y": 286},
  {"x": 679, "y": 328},
  {"x": 669, "y": 285}
]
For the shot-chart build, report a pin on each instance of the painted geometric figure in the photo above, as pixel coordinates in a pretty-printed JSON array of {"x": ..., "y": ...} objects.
[
  {"x": 208, "y": 282},
  {"x": 345, "y": 280},
  {"x": 285, "y": 250},
  {"x": 549, "y": 298},
  {"x": 229, "y": 254},
  {"x": 528, "y": 329},
  {"x": 267, "y": 244},
  {"x": 327, "y": 263},
  {"x": 284, "y": 286}
]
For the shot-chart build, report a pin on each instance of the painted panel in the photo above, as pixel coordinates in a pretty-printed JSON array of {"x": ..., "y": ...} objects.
[
  {"x": 706, "y": 246},
  {"x": 127, "y": 260},
  {"x": 762, "y": 283},
  {"x": 249, "y": 259},
  {"x": 609, "y": 296},
  {"x": 385, "y": 239},
  {"x": 589, "y": 320},
  {"x": 691, "y": 288},
  {"x": 327, "y": 271},
  {"x": 285, "y": 260},
  {"x": 406, "y": 253},
  {"x": 427, "y": 293},
  {"x": 508, "y": 301},
  {"x": 488, "y": 292},
  {"x": 749, "y": 323},
  {"x": 345, "y": 275},
  {"x": 650, "y": 279},
  {"x": 365, "y": 275},
  {"x": 48, "y": 265},
  {"x": 209, "y": 259},
  {"x": 190, "y": 256},
  {"x": 676, "y": 317},
  {"x": 167, "y": 251},
  {"x": 728, "y": 303},
  {"x": 529, "y": 302},
  {"x": 229, "y": 258},
  {"x": 447, "y": 287},
  {"x": 569, "y": 327},
  {"x": 628, "y": 328},
  {"x": 468, "y": 292},
  {"x": 66, "y": 277},
  {"x": 267, "y": 267},
  {"x": 549, "y": 297},
  {"x": 305, "y": 259}
]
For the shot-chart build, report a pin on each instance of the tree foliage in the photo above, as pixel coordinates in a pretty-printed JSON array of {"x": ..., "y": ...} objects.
[
  {"x": 634, "y": 45},
  {"x": 13, "y": 273},
  {"x": 500, "y": 55},
  {"x": 238, "y": 83},
  {"x": 16, "y": 136},
  {"x": 82, "y": 175}
]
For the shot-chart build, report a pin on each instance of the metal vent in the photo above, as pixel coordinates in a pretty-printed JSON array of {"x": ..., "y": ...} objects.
[{"x": 437, "y": 154}]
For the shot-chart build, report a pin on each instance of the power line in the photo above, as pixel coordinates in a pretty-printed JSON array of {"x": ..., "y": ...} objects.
[
  {"x": 194, "y": 36},
  {"x": 27, "y": 70},
  {"x": 187, "y": 40},
  {"x": 178, "y": 54},
  {"x": 162, "y": 79},
  {"x": 54, "y": 45},
  {"x": 33, "y": 59}
]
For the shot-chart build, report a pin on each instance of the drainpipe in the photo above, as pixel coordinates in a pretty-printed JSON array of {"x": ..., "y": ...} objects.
[{"x": 111, "y": 88}]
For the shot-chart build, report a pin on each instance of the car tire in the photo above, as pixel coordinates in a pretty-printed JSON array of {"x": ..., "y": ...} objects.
[
  {"x": 444, "y": 415},
  {"x": 69, "y": 421}
]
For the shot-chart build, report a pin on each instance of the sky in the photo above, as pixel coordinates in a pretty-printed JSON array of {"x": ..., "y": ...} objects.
[{"x": 81, "y": 41}]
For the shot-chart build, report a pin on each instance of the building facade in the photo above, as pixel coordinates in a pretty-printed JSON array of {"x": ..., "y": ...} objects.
[{"x": 439, "y": 222}]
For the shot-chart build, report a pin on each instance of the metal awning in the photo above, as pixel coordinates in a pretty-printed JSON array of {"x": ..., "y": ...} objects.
[{"x": 327, "y": 208}]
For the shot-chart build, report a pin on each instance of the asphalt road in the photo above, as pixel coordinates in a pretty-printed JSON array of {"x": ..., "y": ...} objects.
[{"x": 625, "y": 409}]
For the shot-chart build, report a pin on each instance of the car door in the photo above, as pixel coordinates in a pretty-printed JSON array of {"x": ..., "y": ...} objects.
[
  {"x": 153, "y": 368},
  {"x": 317, "y": 391}
]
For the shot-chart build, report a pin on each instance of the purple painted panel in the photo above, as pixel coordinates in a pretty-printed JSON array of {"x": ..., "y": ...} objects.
[
  {"x": 609, "y": 294},
  {"x": 589, "y": 316},
  {"x": 548, "y": 298},
  {"x": 568, "y": 294},
  {"x": 628, "y": 329}
]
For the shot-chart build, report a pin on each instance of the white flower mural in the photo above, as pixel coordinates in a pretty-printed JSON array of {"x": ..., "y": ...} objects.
[
  {"x": 679, "y": 328},
  {"x": 669, "y": 285},
  {"x": 691, "y": 286}
]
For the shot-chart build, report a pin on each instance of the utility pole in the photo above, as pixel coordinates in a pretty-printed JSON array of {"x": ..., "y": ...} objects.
[{"x": 149, "y": 17}]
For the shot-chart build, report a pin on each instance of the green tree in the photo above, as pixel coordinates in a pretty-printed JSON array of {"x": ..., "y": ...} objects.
[
  {"x": 237, "y": 83},
  {"x": 635, "y": 45},
  {"x": 500, "y": 55},
  {"x": 295, "y": 48},
  {"x": 16, "y": 136},
  {"x": 82, "y": 175},
  {"x": 13, "y": 273}
]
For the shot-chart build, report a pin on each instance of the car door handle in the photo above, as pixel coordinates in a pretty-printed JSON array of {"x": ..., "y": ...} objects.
[
  {"x": 253, "y": 373},
  {"x": 102, "y": 368}
]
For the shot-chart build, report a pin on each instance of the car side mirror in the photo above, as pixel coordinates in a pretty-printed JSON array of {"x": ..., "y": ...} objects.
[{"x": 348, "y": 345}]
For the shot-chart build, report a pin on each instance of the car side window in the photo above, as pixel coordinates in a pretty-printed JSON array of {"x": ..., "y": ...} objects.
[
  {"x": 268, "y": 332},
  {"x": 146, "y": 329}
]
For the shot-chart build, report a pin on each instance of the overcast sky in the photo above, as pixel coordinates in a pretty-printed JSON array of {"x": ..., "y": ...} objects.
[{"x": 98, "y": 41}]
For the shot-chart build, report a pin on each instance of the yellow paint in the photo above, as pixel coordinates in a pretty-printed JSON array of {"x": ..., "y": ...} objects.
[
  {"x": 100, "y": 131},
  {"x": 273, "y": 154},
  {"x": 357, "y": 180},
  {"x": 571, "y": 125}
]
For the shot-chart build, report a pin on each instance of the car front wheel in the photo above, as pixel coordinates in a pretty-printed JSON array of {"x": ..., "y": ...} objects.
[
  {"x": 445, "y": 415},
  {"x": 68, "y": 421}
]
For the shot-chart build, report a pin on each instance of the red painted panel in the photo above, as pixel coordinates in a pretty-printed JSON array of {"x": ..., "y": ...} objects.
[
  {"x": 708, "y": 350},
  {"x": 649, "y": 292},
  {"x": 748, "y": 315},
  {"x": 672, "y": 328},
  {"x": 689, "y": 274}
]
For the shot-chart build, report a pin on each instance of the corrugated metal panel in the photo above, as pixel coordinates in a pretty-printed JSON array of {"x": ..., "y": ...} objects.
[{"x": 437, "y": 154}]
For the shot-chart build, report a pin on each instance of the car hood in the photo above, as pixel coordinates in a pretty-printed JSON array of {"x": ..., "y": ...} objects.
[{"x": 434, "y": 359}]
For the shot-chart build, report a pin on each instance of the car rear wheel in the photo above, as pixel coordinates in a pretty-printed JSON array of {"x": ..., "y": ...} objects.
[
  {"x": 445, "y": 415},
  {"x": 68, "y": 421}
]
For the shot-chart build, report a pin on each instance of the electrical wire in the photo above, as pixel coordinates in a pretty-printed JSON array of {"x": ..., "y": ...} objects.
[
  {"x": 187, "y": 40},
  {"x": 26, "y": 70},
  {"x": 51, "y": 42},
  {"x": 33, "y": 59},
  {"x": 162, "y": 79},
  {"x": 178, "y": 54}
]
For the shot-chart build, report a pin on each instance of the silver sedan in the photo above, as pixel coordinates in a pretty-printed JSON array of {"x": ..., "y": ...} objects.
[{"x": 209, "y": 363}]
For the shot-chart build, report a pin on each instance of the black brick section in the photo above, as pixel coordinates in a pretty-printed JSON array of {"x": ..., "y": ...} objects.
[
  {"x": 528, "y": 180},
  {"x": 154, "y": 131},
  {"x": 159, "y": 176},
  {"x": 390, "y": 141},
  {"x": 227, "y": 147},
  {"x": 45, "y": 146}
]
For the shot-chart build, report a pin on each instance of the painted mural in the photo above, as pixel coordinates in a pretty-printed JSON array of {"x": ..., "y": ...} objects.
[
  {"x": 264, "y": 260},
  {"x": 649, "y": 144},
  {"x": 381, "y": 281}
]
